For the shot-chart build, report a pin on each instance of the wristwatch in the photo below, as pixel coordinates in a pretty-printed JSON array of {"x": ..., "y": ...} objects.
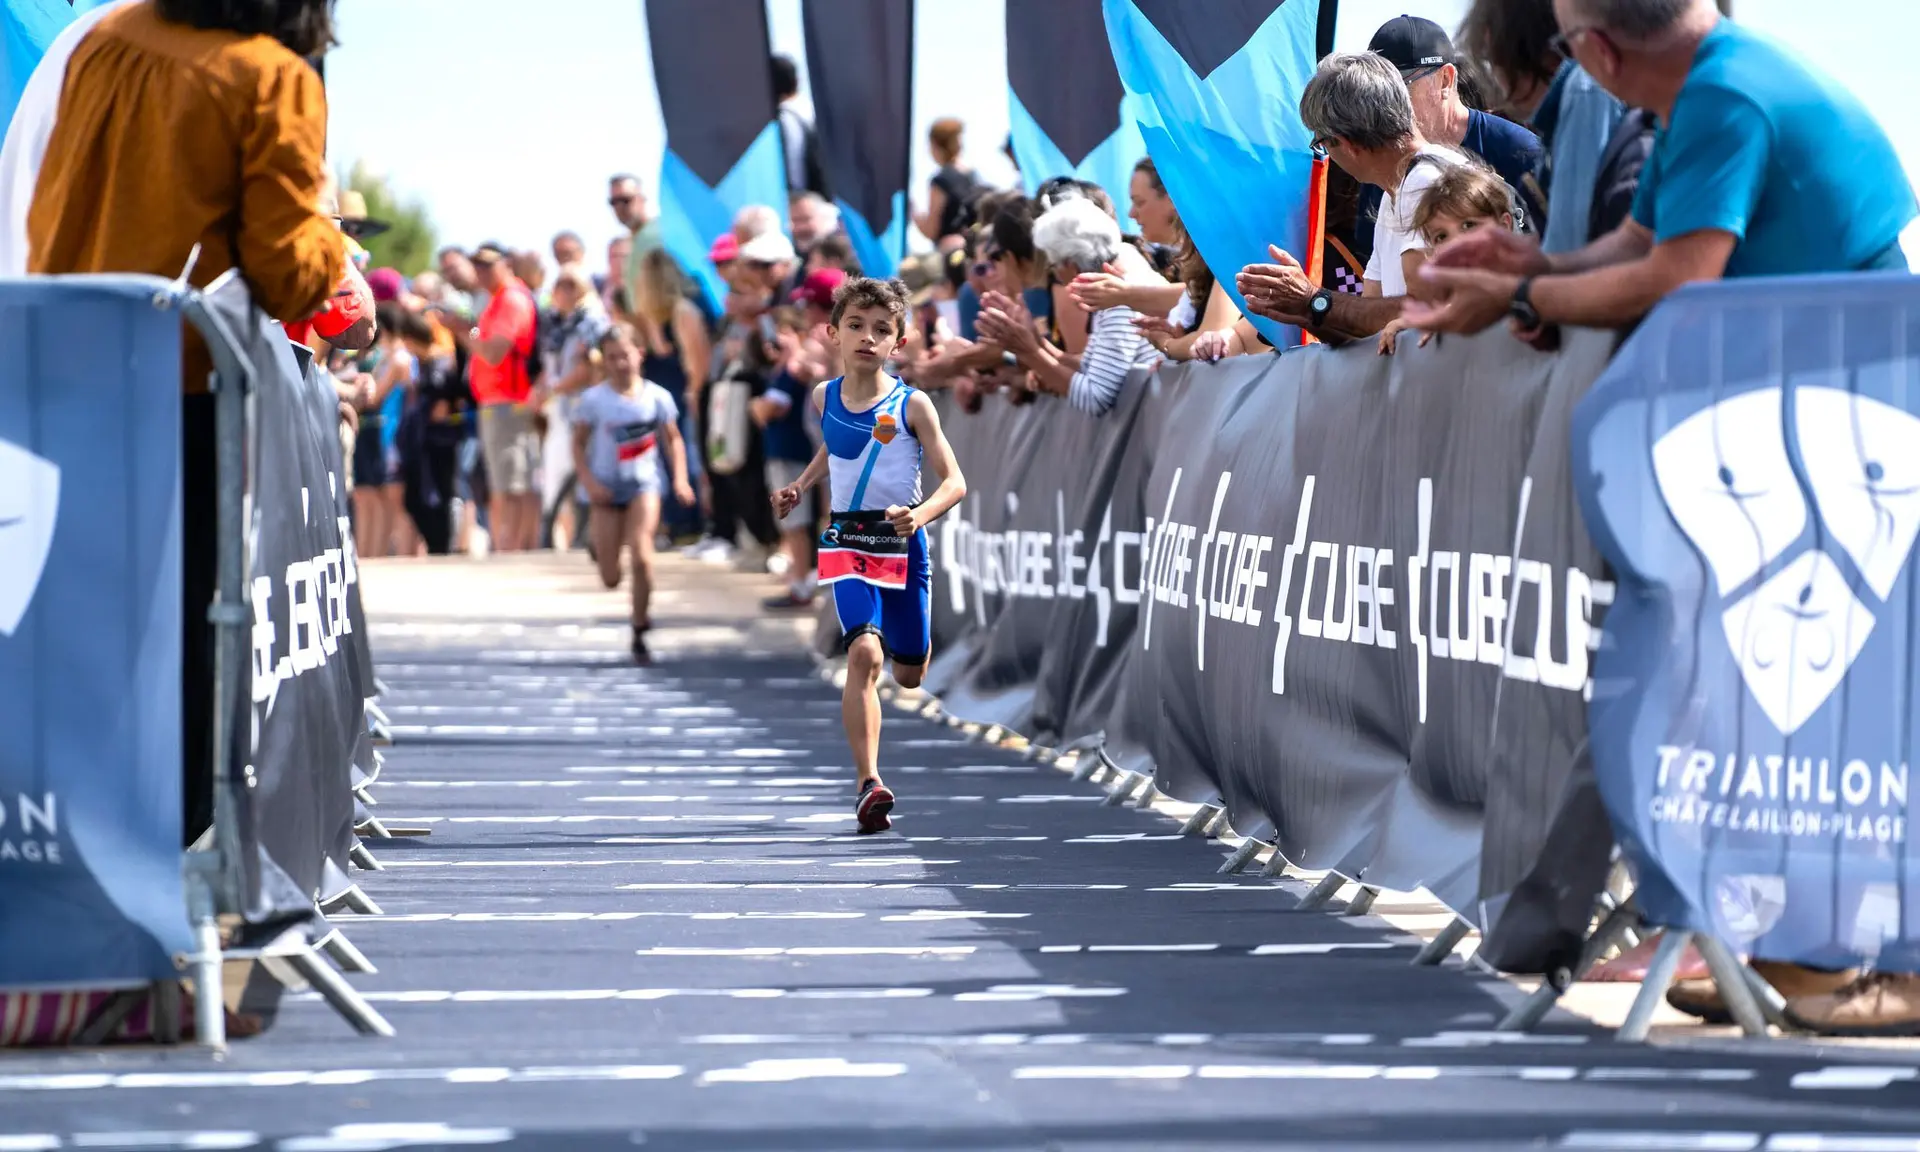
[
  {"x": 1521, "y": 308},
  {"x": 1319, "y": 309}
]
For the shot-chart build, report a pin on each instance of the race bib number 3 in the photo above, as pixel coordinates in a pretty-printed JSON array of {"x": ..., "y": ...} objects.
[{"x": 864, "y": 547}]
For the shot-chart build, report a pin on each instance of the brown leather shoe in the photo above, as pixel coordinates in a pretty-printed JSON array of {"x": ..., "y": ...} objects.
[
  {"x": 1875, "y": 1004},
  {"x": 1701, "y": 998}
]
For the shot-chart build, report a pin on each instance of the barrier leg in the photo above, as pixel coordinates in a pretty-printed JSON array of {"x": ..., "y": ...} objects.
[
  {"x": 1666, "y": 961},
  {"x": 1442, "y": 946},
  {"x": 339, "y": 994},
  {"x": 1242, "y": 856},
  {"x": 380, "y": 687},
  {"x": 1362, "y": 901},
  {"x": 113, "y": 1013},
  {"x": 1220, "y": 827},
  {"x": 353, "y": 900},
  {"x": 1276, "y": 865},
  {"x": 1148, "y": 795},
  {"x": 364, "y": 859},
  {"x": 336, "y": 945},
  {"x": 1202, "y": 816},
  {"x": 1323, "y": 892},
  {"x": 1122, "y": 792},
  {"x": 1773, "y": 1006},
  {"x": 361, "y": 794},
  {"x": 1729, "y": 975},
  {"x": 1535, "y": 1007},
  {"x": 209, "y": 1001},
  {"x": 166, "y": 1011}
]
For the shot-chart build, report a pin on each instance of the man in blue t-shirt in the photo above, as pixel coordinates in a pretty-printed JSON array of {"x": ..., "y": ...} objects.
[{"x": 1762, "y": 166}]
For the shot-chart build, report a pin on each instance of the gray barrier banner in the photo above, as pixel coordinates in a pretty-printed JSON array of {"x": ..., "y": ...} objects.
[
  {"x": 1349, "y": 595},
  {"x": 296, "y": 810}
]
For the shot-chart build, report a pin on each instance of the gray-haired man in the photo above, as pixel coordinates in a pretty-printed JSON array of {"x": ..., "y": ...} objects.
[{"x": 1358, "y": 109}]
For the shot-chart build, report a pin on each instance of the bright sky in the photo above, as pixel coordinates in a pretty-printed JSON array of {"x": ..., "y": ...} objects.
[{"x": 507, "y": 119}]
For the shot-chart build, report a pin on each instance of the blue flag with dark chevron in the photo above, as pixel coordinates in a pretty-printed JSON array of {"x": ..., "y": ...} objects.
[
  {"x": 1215, "y": 91},
  {"x": 1064, "y": 98},
  {"x": 723, "y": 139},
  {"x": 860, "y": 60}
]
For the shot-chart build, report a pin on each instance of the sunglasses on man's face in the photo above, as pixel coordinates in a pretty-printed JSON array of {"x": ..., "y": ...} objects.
[{"x": 620, "y": 201}]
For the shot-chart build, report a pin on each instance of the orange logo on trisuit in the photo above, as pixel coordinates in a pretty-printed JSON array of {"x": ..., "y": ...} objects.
[{"x": 885, "y": 428}]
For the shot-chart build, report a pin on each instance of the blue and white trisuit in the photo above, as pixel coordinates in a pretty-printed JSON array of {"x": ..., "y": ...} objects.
[{"x": 882, "y": 582}]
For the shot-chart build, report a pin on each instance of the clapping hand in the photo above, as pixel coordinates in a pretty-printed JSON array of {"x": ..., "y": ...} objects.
[{"x": 1098, "y": 291}]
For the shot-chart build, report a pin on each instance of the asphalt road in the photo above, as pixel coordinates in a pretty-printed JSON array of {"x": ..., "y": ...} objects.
[{"x": 643, "y": 920}]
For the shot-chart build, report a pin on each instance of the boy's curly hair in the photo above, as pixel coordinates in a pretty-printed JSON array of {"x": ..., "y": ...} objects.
[{"x": 867, "y": 292}]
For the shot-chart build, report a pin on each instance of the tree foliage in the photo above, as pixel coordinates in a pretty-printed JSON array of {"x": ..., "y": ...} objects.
[{"x": 409, "y": 245}]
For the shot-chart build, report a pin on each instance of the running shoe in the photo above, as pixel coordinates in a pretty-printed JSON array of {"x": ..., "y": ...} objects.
[
  {"x": 876, "y": 800},
  {"x": 790, "y": 601},
  {"x": 641, "y": 656}
]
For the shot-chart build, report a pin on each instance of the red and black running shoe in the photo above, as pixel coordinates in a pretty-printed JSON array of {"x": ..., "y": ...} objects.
[{"x": 876, "y": 800}]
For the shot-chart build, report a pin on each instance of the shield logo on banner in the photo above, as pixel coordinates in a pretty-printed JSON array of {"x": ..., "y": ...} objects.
[
  {"x": 29, "y": 509},
  {"x": 1205, "y": 39},
  {"x": 1760, "y": 500},
  {"x": 1726, "y": 476}
]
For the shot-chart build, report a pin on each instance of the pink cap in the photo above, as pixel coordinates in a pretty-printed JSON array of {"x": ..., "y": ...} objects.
[
  {"x": 386, "y": 284},
  {"x": 819, "y": 286},
  {"x": 724, "y": 249}
]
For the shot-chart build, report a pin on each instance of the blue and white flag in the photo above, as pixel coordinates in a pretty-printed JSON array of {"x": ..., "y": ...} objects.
[
  {"x": 860, "y": 61},
  {"x": 1750, "y": 466},
  {"x": 1064, "y": 98},
  {"x": 1215, "y": 91},
  {"x": 723, "y": 139},
  {"x": 26, "y": 28}
]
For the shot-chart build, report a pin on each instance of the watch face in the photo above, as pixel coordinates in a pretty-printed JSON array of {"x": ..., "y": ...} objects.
[{"x": 1320, "y": 305}]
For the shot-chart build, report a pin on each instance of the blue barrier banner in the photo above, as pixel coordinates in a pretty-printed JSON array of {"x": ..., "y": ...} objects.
[
  {"x": 90, "y": 633},
  {"x": 1213, "y": 89},
  {"x": 1750, "y": 465},
  {"x": 864, "y": 116},
  {"x": 1064, "y": 98},
  {"x": 723, "y": 142}
]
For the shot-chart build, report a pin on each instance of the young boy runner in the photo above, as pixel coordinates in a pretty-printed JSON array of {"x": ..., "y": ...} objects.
[
  {"x": 878, "y": 432},
  {"x": 619, "y": 427}
]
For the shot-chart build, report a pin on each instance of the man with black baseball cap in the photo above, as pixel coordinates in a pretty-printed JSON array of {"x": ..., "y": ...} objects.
[{"x": 1425, "y": 56}]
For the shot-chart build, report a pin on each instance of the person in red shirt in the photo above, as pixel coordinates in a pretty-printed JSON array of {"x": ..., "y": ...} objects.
[{"x": 502, "y": 342}]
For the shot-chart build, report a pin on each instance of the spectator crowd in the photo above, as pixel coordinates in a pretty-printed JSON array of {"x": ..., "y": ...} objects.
[{"x": 1562, "y": 163}]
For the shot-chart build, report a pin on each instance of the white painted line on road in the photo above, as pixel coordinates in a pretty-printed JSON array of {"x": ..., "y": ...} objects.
[
  {"x": 920, "y": 915},
  {"x": 1021, "y": 992},
  {"x": 543, "y": 917},
  {"x": 1630, "y": 1141},
  {"x": 850, "y": 885},
  {"x": 1846, "y": 1077},
  {"x": 758, "y": 953},
  {"x": 381, "y": 1137},
  {"x": 1095, "y": 1072},
  {"x": 346, "y": 1077},
  {"x": 1814, "y": 1142},
  {"x": 1036, "y": 1039},
  {"x": 790, "y": 1071},
  {"x": 588, "y": 995},
  {"x": 1129, "y": 947},
  {"x": 1314, "y": 949}
]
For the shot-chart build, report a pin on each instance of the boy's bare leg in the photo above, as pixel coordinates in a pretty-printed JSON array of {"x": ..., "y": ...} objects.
[{"x": 860, "y": 706}]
